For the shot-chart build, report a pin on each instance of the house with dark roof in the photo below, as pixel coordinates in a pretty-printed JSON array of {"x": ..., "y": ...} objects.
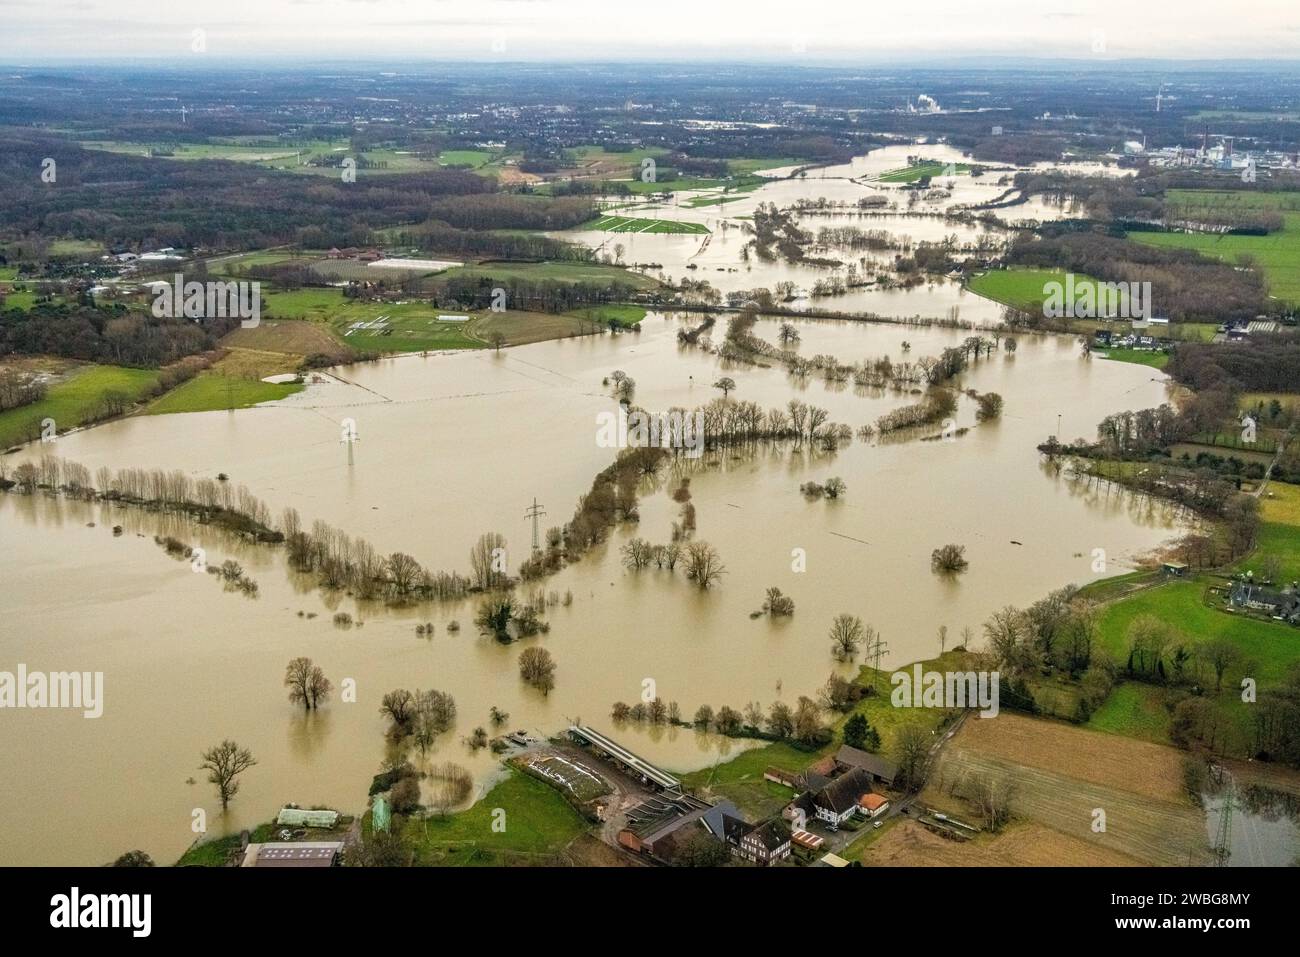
[
  {"x": 880, "y": 771},
  {"x": 838, "y": 801},
  {"x": 764, "y": 843},
  {"x": 1247, "y": 595},
  {"x": 657, "y": 827}
]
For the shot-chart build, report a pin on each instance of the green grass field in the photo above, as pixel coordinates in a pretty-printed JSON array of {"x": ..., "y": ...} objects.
[
  {"x": 1134, "y": 710},
  {"x": 1024, "y": 288},
  {"x": 208, "y": 392},
  {"x": 538, "y": 824},
  {"x": 626, "y": 316},
  {"x": 19, "y": 298},
  {"x": 78, "y": 249},
  {"x": 70, "y": 402},
  {"x": 624, "y": 224},
  {"x": 1156, "y": 360},
  {"x": 471, "y": 158},
  {"x": 1277, "y": 254},
  {"x": 930, "y": 168},
  {"x": 1271, "y": 645},
  {"x": 414, "y": 326},
  {"x": 1268, "y": 649},
  {"x": 411, "y": 326}
]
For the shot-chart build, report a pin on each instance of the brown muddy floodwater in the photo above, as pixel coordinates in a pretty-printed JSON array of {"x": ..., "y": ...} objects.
[{"x": 452, "y": 446}]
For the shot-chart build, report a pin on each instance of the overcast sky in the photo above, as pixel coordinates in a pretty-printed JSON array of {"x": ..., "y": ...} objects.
[{"x": 795, "y": 31}]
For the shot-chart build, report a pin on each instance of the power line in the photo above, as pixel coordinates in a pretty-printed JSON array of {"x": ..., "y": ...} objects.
[{"x": 535, "y": 512}]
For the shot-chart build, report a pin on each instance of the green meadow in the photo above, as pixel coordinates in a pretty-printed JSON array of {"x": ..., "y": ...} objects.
[
  {"x": 75, "y": 399},
  {"x": 1025, "y": 289},
  {"x": 930, "y": 168},
  {"x": 539, "y": 824},
  {"x": 208, "y": 392},
  {"x": 1277, "y": 255}
]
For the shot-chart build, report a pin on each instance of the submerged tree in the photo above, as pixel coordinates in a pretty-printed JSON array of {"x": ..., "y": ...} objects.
[
  {"x": 537, "y": 667},
  {"x": 306, "y": 682},
  {"x": 949, "y": 558},
  {"x": 777, "y": 604},
  {"x": 224, "y": 763},
  {"x": 846, "y": 636},
  {"x": 703, "y": 564}
]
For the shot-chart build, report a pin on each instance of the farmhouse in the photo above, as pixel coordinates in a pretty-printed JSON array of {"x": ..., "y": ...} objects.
[
  {"x": 1277, "y": 604},
  {"x": 877, "y": 768},
  {"x": 764, "y": 843},
  {"x": 838, "y": 801}
]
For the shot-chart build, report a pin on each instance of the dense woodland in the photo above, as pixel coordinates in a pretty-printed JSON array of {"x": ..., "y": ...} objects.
[
  {"x": 1265, "y": 363},
  {"x": 106, "y": 334},
  {"x": 133, "y": 201}
]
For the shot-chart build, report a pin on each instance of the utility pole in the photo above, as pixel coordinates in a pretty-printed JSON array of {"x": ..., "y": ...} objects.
[
  {"x": 534, "y": 512},
  {"x": 1223, "y": 841},
  {"x": 876, "y": 650}
]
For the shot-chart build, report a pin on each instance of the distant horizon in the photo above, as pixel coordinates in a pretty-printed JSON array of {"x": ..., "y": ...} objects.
[
  {"x": 831, "y": 31},
  {"x": 991, "y": 62}
]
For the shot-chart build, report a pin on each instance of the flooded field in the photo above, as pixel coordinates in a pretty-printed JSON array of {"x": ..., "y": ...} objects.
[
  {"x": 452, "y": 446},
  {"x": 716, "y": 256}
]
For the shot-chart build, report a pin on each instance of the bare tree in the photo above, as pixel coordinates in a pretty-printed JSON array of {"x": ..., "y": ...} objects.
[
  {"x": 846, "y": 636},
  {"x": 399, "y": 706},
  {"x": 912, "y": 747},
  {"x": 450, "y": 785},
  {"x": 224, "y": 763},
  {"x": 487, "y": 561},
  {"x": 1220, "y": 654},
  {"x": 306, "y": 682},
  {"x": 637, "y": 553},
  {"x": 403, "y": 571},
  {"x": 703, "y": 564},
  {"x": 807, "y": 720},
  {"x": 726, "y": 384}
]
